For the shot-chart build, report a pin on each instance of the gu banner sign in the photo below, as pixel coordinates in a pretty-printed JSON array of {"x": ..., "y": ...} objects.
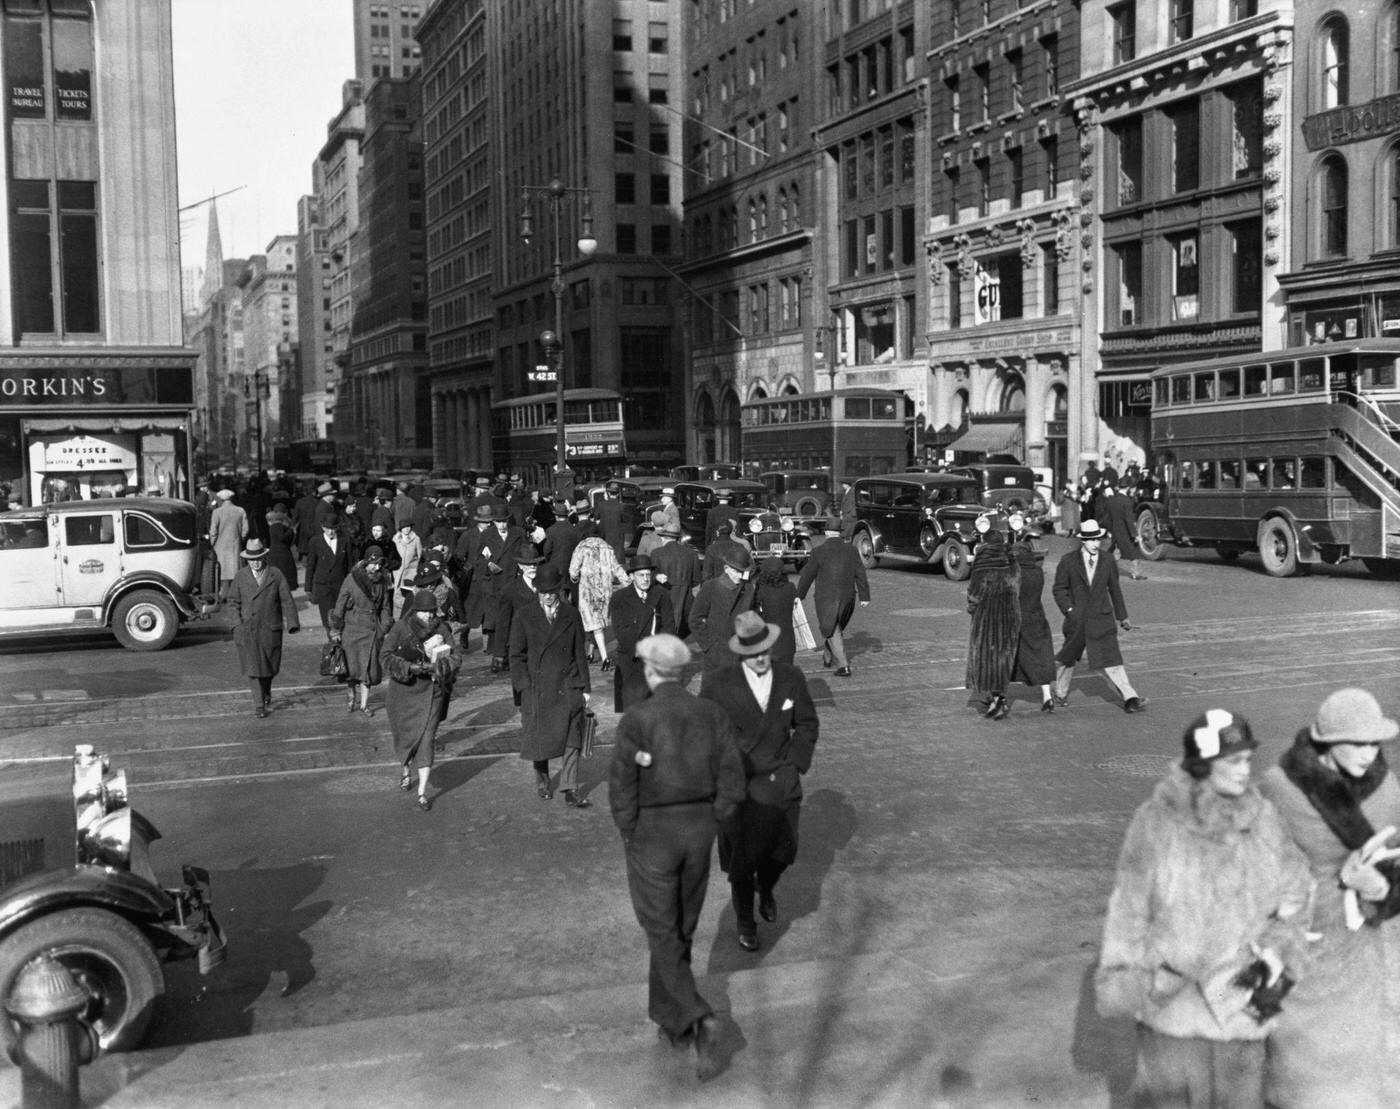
[{"x": 986, "y": 286}]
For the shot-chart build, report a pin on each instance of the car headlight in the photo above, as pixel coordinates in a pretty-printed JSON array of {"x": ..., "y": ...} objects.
[
  {"x": 755, "y": 525},
  {"x": 787, "y": 524},
  {"x": 107, "y": 840}
]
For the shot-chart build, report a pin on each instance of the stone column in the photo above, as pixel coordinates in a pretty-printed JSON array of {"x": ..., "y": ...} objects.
[{"x": 1037, "y": 378}]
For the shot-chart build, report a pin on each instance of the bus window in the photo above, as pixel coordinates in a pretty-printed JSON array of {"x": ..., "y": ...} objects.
[
  {"x": 1188, "y": 476},
  {"x": 1229, "y": 384},
  {"x": 1205, "y": 386},
  {"x": 1379, "y": 372},
  {"x": 884, "y": 410},
  {"x": 824, "y": 409},
  {"x": 1181, "y": 390},
  {"x": 1314, "y": 473},
  {"x": 1285, "y": 476},
  {"x": 1256, "y": 473},
  {"x": 1230, "y": 474},
  {"x": 1254, "y": 378},
  {"x": 1310, "y": 375},
  {"x": 1162, "y": 392},
  {"x": 1205, "y": 475},
  {"x": 1281, "y": 378},
  {"x": 857, "y": 408}
]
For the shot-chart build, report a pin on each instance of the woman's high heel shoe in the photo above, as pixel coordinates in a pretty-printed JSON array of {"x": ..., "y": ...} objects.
[
  {"x": 607, "y": 665},
  {"x": 406, "y": 782},
  {"x": 1003, "y": 709}
]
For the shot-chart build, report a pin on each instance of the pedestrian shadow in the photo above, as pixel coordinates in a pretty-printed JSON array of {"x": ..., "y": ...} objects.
[
  {"x": 451, "y": 773},
  {"x": 1097, "y": 683},
  {"x": 862, "y": 643},
  {"x": 1104, "y": 1045},
  {"x": 269, "y": 956}
]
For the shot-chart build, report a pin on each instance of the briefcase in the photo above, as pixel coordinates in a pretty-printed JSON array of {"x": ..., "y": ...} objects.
[{"x": 590, "y": 733}]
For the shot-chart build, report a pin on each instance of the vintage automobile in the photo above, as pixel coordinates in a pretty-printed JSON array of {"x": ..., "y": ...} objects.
[
  {"x": 804, "y": 493},
  {"x": 924, "y": 517},
  {"x": 131, "y": 564},
  {"x": 777, "y": 533},
  {"x": 76, "y": 882},
  {"x": 710, "y": 471},
  {"x": 694, "y": 499},
  {"x": 1009, "y": 487}
]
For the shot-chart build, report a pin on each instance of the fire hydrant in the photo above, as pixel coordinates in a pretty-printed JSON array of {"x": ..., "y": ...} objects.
[{"x": 52, "y": 1041}]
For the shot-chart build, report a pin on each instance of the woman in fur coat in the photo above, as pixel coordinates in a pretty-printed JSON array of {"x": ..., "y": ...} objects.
[
  {"x": 594, "y": 566},
  {"x": 994, "y": 600},
  {"x": 1210, "y": 885},
  {"x": 1035, "y": 646},
  {"x": 1338, "y": 1040},
  {"x": 359, "y": 622}
]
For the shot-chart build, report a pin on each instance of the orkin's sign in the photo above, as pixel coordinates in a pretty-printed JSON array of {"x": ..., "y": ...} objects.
[
  {"x": 64, "y": 386},
  {"x": 1353, "y": 124},
  {"x": 53, "y": 385}
]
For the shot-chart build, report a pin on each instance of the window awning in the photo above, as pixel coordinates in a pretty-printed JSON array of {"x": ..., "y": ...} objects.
[
  {"x": 989, "y": 439},
  {"x": 95, "y": 424}
]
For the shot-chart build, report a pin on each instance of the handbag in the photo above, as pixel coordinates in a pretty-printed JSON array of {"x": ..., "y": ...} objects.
[
  {"x": 801, "y": 629},
  {"x": 590, "y": 733},
  {"x": 333, "y": 664}
]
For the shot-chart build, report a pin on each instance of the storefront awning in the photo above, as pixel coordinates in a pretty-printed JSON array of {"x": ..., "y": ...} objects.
[
  {"x": 989, "y": 439},
  {"x": 95, "y": 423}
]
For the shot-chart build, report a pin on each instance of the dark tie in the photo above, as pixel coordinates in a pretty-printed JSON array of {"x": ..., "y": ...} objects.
[{"x": 1093, "y": 564}]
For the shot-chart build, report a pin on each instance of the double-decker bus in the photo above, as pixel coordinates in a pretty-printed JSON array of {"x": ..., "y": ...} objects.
[
  {"x": 524, "y": 436},
  {"x": 850, "y": 433},
  {"x": 1292, "y": 453}
]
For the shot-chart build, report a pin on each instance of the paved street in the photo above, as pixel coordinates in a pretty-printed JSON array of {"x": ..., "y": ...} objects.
[{"x": 935, "y": 935}]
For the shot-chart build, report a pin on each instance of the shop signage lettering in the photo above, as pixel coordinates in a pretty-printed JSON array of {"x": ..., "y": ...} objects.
[
  {"x": 24, "y": 99},
  {"x": 87, "y": 385},
  {"x": 1345, "y": 125},
  {"x": 83, "y": 386}
]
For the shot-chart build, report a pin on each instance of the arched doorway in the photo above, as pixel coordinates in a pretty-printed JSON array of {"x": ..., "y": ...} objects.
[
  {"x": 728, "y": 430},
  {"x": 1013, "y": 393},
  {"x": 704, "y": 429},
  {"x": 1057, "y": 433}
]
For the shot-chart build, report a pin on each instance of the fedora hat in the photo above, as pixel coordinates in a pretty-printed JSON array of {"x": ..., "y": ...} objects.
[
  {"x": 499, "y": 512},
  {"x": 483, "y": 514},
  {"x": 529, "y": 559},
  {"x": 583, "y": 508},
  {"x": 738, "y": 557},
  {"x": 1090, "y": 529},
  {"x": 638, "y": 562},
  {"x": 1352, "y": 716},
  {"x": 549, "y": 579},
  {"x": 424, "y": 600},
  {"x": 324, "y": 488},
  {"x": 224, "y": 494},
  {"x": 254, "y": 549},
  {"x": 751, "y": 635}
]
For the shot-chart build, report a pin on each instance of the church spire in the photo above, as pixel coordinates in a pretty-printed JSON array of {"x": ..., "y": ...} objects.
[{"x": 213, "y": 256}]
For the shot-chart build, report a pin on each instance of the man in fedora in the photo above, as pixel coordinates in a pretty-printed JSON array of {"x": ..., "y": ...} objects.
[
  {"x": 327, "y": 565},
  {"x": 610, "y": 519},
  {"x": 584, "y": 521},
  {"x": 478, "y": 547},
  {"x": 651, "y": 533},
  {"x": 1116, "y": 510},
  {"x": 327, "y": 511},
  {"x": 775, "y": 726},
  {"x": 261, "y": 604},
  {"x": 669, "y": 506},
  {"x": 720, "y": 600},
  {"x": 560, "y": 539},
  {"x": 636, "y": 611},
  {"x": 676, "y": 566},
  {"x": 676, "y": 776},
  {"x": 724, "y": 542},
  {"x": 549, "y": 669},
  {"x": 517, "y": 594},
  {"x": 1088, "y": 594}
]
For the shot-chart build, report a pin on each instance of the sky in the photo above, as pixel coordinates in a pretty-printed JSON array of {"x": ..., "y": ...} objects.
[{"x": 256, "y": 82}]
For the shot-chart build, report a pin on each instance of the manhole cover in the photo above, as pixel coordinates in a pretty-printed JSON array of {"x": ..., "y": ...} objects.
[
  {"x": 924, "y": 613},
  {"x": 362, "y": 783},
  {"x": 1139, "y": 766}
]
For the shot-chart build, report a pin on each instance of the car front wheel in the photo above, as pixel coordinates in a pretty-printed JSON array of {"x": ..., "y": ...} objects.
[
  {"x": 106, "y": 955},
  {"x": 956, "y": 563},
  {"x": 865, "y": 547}
]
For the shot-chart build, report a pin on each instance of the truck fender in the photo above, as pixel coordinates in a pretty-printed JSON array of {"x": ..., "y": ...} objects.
[{"x": 1308, "y": 550}]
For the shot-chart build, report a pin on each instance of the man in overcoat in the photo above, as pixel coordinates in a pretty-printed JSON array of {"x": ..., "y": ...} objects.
[
  {"x": 304, "y": 519},
  {"x": 473, "y": 551},
  {"x": 518, "y": 594},
  {"x": 610, "y": 520},
  {"x": 560, "y": 539},
  {"x": 839, "y": 575},
  {"x": 676, "y": 565},
  {"x": 1116, "y": 509},
  {"x": 549, "y": 669},
  {"x": 327, "y": 564},
  {"x": 715, "y": 553},
  {"x": 261, "y": 604},
  {"x": 637, "y": 610},
  {"x": 775, "y": 726},
  {"x": 1088, "y": 594},
  {"x": 720, "y": 600},
  {"x": 327, "y": 511},
  {"x": 676, "y": 776},
  {"x": 228, "y": 527}
]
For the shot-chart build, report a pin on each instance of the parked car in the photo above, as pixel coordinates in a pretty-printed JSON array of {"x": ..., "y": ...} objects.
[
  {"x": 1008, "y": 487},
  {"x": 638, "y": 496},
  {"x": 711, "y": 471},
  {"x": 76, "y": 882},
  {"x": 925, "y": 517},
  {"x": 694, "y": 499},
  {"x": 131, "y": 564},
  {"x": 778, "y": 533},
  {"x": 804, "y": 493}
]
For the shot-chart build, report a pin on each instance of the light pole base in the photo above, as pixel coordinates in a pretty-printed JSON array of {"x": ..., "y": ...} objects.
[{"x": 564, "y": 483}]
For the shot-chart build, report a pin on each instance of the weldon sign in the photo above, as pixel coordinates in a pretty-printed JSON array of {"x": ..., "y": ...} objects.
[
  {"x": 125, "y": 386},
  {"x": 1352, "y": 124}
]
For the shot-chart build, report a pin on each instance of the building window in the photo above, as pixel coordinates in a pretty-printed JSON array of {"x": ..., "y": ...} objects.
[
  {"x": 983, "y": 76},
  {"x": 886, "y": 158},
  {"x": 656, "y": 89},
  {"x": 1335, "y": 55},
  {"x": 907, "y": 238},
  {"x": 954, "y": 295},
  {"x": 1186, "y": 130},
  {"x": 1243, "y": 9},
  {"x": 1334, "y": 208},
  {"x": 1049, "y": 280},
  {"x": 1181, "y": 20},
  {"x": 54, "y": 257},
  {"x": 1129, "y": 262},
  {"x": 53, "y": 86},
  {"x": 622, "y": 35},
  {"x": 1050, "y": 47},
  {"x": 1128, "y": 136},
  {"x": 950, "y": 178},
  {"x": 1015, "y": 66},
  {"x": 622, "y": 88},
  {"x": 624, "y": 188},
  {"x": 624, "y": 138},
  {"x": 984, "y": 186},
  {"x": 954, "y": 103},
  {"x": 1015, "y": 161},
  {"x": 660, "y": 188},
  {"x": 1186, "y": 279},
  {"x": 658, "y": 38},
  {"x": 1050, "y": 154},
  {"x": 1246, "y": 274},
  {"x": 1247, "y": 122},
  {"x": 626, "y": 238},
  {"x": 871, "y": 243},
  {"x": 1124, "y": 18}
]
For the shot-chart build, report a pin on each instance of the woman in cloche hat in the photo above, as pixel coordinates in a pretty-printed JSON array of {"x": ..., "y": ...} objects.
[
  {"x": 260, "y": 603},
  {"x": 1338, "y": 1040}
]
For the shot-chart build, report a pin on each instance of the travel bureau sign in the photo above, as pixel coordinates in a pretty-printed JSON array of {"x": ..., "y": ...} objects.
[{"x": 1352, "y": 124}]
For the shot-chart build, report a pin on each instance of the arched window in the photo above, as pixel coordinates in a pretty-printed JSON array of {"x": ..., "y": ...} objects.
[
  {"x": 1333, "y": 223},
  {"x": 1336, "y": 52},
  {"x": 783, "y": 227},
  {"x": 753, "y": 221},
  {"x": 762, "y": 217},
  {"x": 796, "y": 211},
  {"x": 1392, "y": 163}
]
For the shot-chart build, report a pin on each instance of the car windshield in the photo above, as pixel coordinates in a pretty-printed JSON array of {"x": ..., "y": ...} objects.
[
  {"x": 750, "y": 498},
  {"x": 809, "y": 481},
  {"x": 946, "y": 494}
]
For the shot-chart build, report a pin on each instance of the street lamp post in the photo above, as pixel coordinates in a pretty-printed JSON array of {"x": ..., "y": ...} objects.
[
  {"x": 260, "y": 386},
  {"x": 826, "y": 336},
  {"x": 553, "y": 341}
]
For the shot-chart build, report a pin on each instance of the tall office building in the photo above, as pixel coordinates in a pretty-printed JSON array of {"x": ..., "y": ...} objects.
[
  {"x": 272, "y": 386},
  {"x": 385, "y": 42},
  {"x": 313, "y": 314}
]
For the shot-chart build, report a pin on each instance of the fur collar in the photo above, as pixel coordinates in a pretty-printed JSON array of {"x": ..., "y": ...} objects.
[
  {"x": 1196, "y": 806},
  {"x": 1336, "y": 796},
  {"x": 374, "y": 590}
]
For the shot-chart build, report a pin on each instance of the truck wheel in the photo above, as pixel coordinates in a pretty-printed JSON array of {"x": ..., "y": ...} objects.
[
  {"x": 865, "y": 547},
  {"x": 1149, "y": 536},
  {"x": 1278, "y": 548},
  {"x": 107, "y": 955},
  {"x": 145, "y": 621},
  {"x": 956, "y": 565}
]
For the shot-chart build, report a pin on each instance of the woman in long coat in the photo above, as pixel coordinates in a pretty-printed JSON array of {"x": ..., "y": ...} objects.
[
  {"x": 359, "y": 622},
  {"x": 594, "y": 566},
  {"x": 280, "y": 537},
  {"x": 1338, "y": 1039},
  {"x": 994, "y": 600},
  {"x": 775, "y": 598},
  {"x": 839, "y": 576},
  {"x": 410, "y": 549},
  {"x": 420, "y": 686},
  {"x": 262, "y": 607},
  {"x": 1035, "y": 646},
  {"x": 549, "y": 669}
]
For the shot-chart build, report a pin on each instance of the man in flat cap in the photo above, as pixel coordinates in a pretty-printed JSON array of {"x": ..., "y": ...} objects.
[
  {"x": 775, "y": 726},
  {"x": 720, "y": 600},
  {"x": 637, "y": 610},
  {"x": 676, "y": 565},
  {"x": 676, "y": 777}
]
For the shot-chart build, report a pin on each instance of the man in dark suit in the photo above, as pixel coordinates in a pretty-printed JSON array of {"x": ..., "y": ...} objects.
[
  {"x": 549, "y": 669},
  {"x": 676, "y": 566},
  {"x": 327, "y": 566},
  {"x": 635, "y": 612},
  {"x": 1116, "y": 511},
  {"x": 610, "y": 519},
  {"x": 721, "y": 512},
  {"x": 560, "y": 539},
  {"x": 676, "y": 776},
  {"x": 304, "y": 519},
  {"x": 1088, "y": 594},
  {"x": 721, "y": 599},
  {"x": 775, "y": 725},
  {"x": 838, "y": 573},
  {"x": 327, "y": 512}
]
